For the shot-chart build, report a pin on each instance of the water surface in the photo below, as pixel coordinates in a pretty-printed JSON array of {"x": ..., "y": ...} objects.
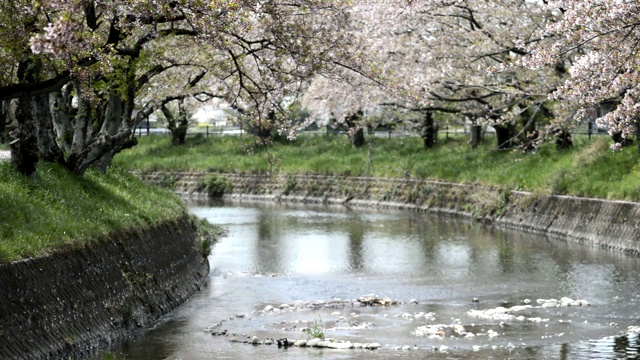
[{"x": 291, "y": 254}]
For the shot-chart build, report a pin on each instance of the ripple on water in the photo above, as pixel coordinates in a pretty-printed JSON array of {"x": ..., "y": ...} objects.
[{"x": 276, "y": 255}]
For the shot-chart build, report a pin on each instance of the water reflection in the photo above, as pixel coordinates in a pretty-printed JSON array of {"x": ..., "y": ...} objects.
[
  {"x": 356, "y": 231},
  {"x": 311, "y": 253}
]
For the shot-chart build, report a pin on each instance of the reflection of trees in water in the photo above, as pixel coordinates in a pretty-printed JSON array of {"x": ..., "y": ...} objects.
[
  {"x": 565, "y": 350},
  {"x": 428, "y": 242},
  {"x": 633, "y": 346},
  {"x": 505, "y": 253},
  {"x": 356, "y": 231},
  {"x": 621, "y": 344},
  {"x": 627, "y": 268},
  {"x": 268, "y": 253}
]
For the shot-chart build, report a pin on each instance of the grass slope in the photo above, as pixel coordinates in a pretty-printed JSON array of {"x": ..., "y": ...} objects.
[
  {"x": 589, "y": 169},
  {"x": 58, "y": 210}
]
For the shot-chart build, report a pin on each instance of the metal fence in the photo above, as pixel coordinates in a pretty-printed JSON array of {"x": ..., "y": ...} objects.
[{"x": 443, "y": 132}]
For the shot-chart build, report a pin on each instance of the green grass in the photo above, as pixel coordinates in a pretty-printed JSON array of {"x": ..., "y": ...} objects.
[
  {"x": 59, "y": 211},
  {"x": 589, "y": 169}
]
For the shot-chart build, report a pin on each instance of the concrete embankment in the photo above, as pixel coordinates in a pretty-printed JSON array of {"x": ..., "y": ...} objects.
[
  {"x": 612, "y": 225},
  {"x": 73, "y": 303}
]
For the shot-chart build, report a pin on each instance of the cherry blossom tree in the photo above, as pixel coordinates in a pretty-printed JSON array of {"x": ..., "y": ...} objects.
[
  {"x": 98, "y": 61},
  {"x": 597, "y": 40},
  {"x": 436, "y": 55}
]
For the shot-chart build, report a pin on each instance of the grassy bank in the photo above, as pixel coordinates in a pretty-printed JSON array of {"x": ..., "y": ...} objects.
[
  {"x": 589, "y": 169},
  {"x": 59, "y": 211}
]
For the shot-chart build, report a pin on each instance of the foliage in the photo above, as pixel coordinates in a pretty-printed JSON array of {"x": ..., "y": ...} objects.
[
  {"x": 598, "y": 41},
  {"x": 207, "y": 234},
  {"x": 290, "y": 185},
  {"x": 440, "y": 55},
  {"x": 216, "y": 185},
  {"x": 59, "y": 211},
  {"x": 108, "y": 58},
  {"x": 585, "y": 170},
  {"x": 316, "y": 331}
]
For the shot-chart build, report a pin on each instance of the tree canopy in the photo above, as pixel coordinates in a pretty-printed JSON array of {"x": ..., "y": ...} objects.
[
  {"x": 101, "y": 62},
  {"x": 597, "y": 40},
  {"x": 80, "y": 74}
]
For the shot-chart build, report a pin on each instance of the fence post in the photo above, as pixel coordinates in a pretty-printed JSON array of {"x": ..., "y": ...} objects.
[
  {"x": 207, "y": 131},
  {"x": 590, "y": 127}
]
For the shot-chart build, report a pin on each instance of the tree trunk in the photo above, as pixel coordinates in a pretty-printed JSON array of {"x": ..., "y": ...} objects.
[
  {"x": 504, "y": 136},
  {"x": 102, "y": 164},
  {"x": 355, "y": 131},
  {"x": 117, "y": 126},
  {"x": 61, "y": 114},
  {"x": 183, "y": 124},
  {"x": 179, "y": 135},
  {"x": 48, "y": 149},
  {"x": 356, "y": 137},
  {"x": 476, "y": 132},
  {"x": 563, "y": 139},
  {"x": 24, "y": 147},
  {"x": 637, "y": 124},
  {"x": 429, "y": 131},
  {"x": 4, "y": 120},
  {"x": 617, "y": 137},
  {"x": 178, "y": 126}
]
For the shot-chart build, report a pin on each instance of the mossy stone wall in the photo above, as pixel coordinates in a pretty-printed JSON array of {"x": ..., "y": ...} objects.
[
  {"x": 74, "y": 303},
  {"x": 612, "y": 225}
]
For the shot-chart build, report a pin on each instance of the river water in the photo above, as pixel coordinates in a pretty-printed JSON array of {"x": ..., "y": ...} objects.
[{"x": 463, "y": 291}]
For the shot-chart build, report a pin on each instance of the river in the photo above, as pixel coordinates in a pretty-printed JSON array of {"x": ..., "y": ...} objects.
[{"x": 460, "y": 290}]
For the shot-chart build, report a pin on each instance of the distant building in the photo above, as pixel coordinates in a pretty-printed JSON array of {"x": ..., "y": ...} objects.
[{"x": 213, "y": 116}]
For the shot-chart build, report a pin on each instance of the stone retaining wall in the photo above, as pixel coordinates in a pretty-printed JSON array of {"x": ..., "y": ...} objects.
[
  {"x": 71, "y": 304},
  {"x": 613, "y": 225}
]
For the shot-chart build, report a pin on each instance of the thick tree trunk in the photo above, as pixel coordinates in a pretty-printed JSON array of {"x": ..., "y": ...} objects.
[
  {"x": 61, "y": 114},
  {"x": 97, "y": 144},
  {"x": 178, "y": 126},
  {"x": 429, "y": 131},
  {"x": 356, "y": 137},
  {"x": 102, "y": 164},
  {"x": 79, "y": 142},
  {"x": 112, "y": 116},
  {"x": 48, "y": 149},
  {"x": 476, "y": 132},
  {"x": 179, "y": 135},
  {"x": 355, "y": 130},
  {"x": 504, "y": 136},
  {"x": 80, "y": 126},
  {"x": 24, "y": 146}
]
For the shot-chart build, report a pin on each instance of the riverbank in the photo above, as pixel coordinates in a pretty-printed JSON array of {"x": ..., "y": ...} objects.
[
  {"x": 589, "y": 169},
  {"x": 72, "y": 304},
  {"x": 85, "y": 262},
  {"x": 612, "y": 225}
]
